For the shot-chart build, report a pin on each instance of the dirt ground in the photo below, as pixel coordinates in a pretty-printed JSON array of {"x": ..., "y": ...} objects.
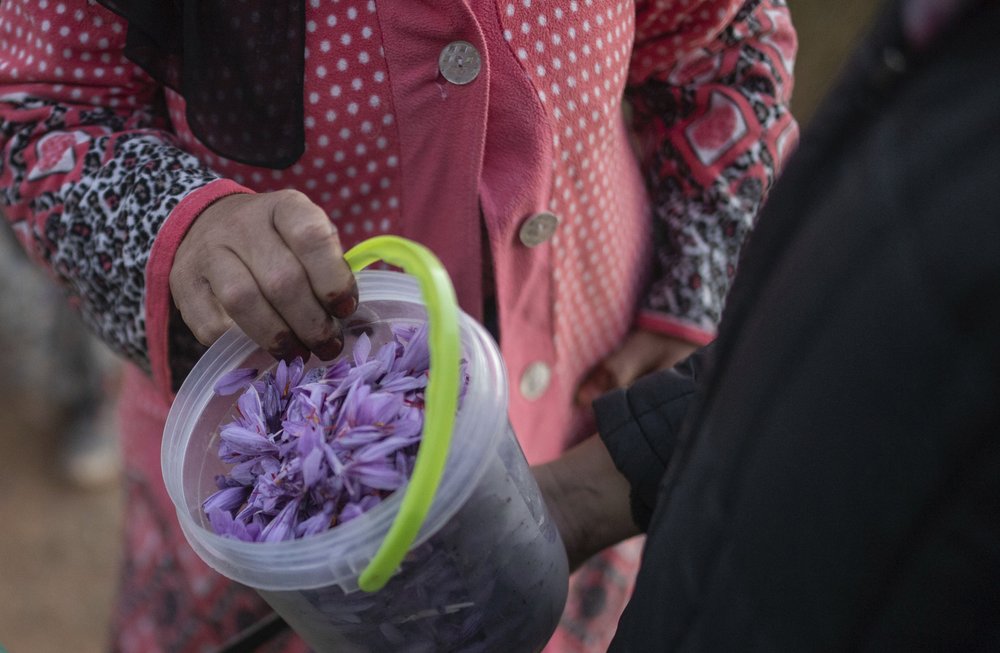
[
  {"x": 58, "y": 550},
  {"x": 59, "y": 546}
]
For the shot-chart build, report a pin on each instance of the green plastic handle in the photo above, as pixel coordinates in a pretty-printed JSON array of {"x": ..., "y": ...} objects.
[{"x": 440, "y": 398}]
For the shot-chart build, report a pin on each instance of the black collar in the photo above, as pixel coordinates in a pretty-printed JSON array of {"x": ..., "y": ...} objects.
[{"x": 238, "y": 65}]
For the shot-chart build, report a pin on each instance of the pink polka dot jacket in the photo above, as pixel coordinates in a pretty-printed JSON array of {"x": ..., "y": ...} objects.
[
  {"x": 598, "y": 172},
  {"x": 102, "y": 184}
]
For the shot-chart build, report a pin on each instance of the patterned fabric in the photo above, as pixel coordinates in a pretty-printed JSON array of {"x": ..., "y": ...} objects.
[
  {"x": 701, "y": 119},
  {"x": 706, "y": 166},
  {"x": 91, "y": 188},
  {"x": 709, "y": 82},
  {"x": 170, "y": 601},
  {"x": 601, "y": 584}
]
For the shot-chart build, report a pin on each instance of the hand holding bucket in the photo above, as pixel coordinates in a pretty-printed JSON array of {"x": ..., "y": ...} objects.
[{"x": 478, "y": 564}]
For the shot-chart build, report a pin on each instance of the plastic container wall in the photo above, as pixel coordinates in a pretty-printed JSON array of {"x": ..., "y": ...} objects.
[{"x": 487, "y": 571}]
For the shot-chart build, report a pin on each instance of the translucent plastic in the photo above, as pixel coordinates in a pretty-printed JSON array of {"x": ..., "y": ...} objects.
[{"x": 487, "y": 570}]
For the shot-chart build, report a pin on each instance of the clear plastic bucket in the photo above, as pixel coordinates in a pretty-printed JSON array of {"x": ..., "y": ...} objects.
[{"x": 486, "y": 571}]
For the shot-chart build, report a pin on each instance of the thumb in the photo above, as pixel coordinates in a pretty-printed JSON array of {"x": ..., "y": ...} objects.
[
  {"x": 641, "y": 352},
  {"x": 615, "y": 371},
  {"x": 599, "y": 380}
]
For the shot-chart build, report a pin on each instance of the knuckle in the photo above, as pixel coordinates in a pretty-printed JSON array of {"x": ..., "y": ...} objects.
[
  {"x": 283, "y": 282},
  {"x": 302, "y": 224},
  {"x": 207, "y": 333},
  {"x": 236, "y": 294},
  {"x": 289, "y": 200},
  {"x": 311, "y": 234}
]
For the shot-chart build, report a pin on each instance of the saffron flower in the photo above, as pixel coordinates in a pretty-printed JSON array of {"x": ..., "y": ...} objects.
[
  {"x": 311, "y": 449},
  {"x": 234, "y": 381}
]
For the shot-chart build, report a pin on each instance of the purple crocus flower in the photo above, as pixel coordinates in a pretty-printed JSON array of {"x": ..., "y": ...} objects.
[
  {"x": 282, "y": 527},
  {"x": 287, "y": 376},
  {"x": 227, "y": 499},
  {"x": 313, "y": 448},
  {"x": 353, "y": 510},
  {"x": 224, "y": 524},
  {"x": 251, "y": 411},
  {"x": 246, "y": 471},
  {"x": 234, "y": 381},
  {"x": 318, "y": 523},
  {"x": 416, "y": 355},
  {"x": 243, "y": 441}
]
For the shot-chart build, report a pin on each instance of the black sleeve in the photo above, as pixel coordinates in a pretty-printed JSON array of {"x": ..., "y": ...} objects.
[{"x": 640, "y": 424}]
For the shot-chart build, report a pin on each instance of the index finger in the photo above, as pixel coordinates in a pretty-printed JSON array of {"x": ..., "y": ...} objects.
[{"x": 313, "y": 239}]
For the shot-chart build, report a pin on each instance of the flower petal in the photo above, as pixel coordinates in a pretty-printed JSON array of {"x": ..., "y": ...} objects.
[
  {"x": 312, "y": 464},
  {"x": 377, "y": 475},
  {"x": 359, "y": 435},
  {"x": 234, "y": 381},
  {"x": 380, "y": 450},
  {"x": 416, "y": 358},
  {"x": 282, "y": 527},
  {"x": 251, "y": 411},
  {"x": 378, "y": 408},
  {"x": 243, "y": 440},
  {"x": 362, "y": 349},
  {"x": 223, "y": 524},
  {"x": 315, "y": 524},
  {"x": 402, "y": 382},
  {"x": 227, "y": 499}
]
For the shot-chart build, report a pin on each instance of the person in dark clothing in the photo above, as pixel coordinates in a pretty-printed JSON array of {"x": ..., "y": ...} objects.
[{"x": 826, "y": 475}]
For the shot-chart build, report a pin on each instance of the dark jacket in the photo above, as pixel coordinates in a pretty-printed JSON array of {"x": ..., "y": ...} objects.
[{"x": 836, "y": 482}]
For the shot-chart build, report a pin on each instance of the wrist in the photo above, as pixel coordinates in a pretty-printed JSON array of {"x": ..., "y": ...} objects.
[
  {"x": 588, "y": 500},
  {"x": 158, "y": 269}
]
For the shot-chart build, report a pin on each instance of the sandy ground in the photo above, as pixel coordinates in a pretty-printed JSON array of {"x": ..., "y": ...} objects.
[
  {"x": 58, "y": 549},
  {"x": 59, "y": 546}
]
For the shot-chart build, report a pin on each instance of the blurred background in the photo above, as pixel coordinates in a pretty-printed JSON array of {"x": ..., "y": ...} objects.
[{"x": 60, "y": 491}]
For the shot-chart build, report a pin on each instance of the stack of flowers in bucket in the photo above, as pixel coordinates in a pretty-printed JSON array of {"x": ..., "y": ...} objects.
[
  {"x": 295, "y": 479},
  {"x": 311, "y": 450}
]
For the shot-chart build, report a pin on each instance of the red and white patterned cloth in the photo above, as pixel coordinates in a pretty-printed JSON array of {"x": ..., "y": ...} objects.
[{"x": 101, "y": 186}]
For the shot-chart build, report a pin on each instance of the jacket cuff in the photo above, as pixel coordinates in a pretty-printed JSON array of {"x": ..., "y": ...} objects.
[
  {"x": 161, "y": 259},
  {"x": 672, "y": 326},
  {"x": 639, "y": 427}
]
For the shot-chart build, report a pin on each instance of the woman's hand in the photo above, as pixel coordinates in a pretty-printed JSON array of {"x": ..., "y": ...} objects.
[
  {"x": 271, "y": 263},
  {"x": 641, "y": 353}
]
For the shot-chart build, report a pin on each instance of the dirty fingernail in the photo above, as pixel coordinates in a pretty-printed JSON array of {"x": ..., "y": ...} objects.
[
  {"x": 287, "y": 347},
  {"x": 344, "y": 303},
  {"x": 330, "y": 349}
]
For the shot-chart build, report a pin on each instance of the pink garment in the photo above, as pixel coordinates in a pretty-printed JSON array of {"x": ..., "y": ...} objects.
[
  {"x": 169, "y": 600},
  {"x": 565, "y": 303},
  {"x": 415, "y": 157},
  {"x": 392, "y": 146}
]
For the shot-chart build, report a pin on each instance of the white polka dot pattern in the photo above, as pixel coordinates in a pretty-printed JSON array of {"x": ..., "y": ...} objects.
[
  {"x": 712, "y": 141},
  {"x": 351, "y": 162},
  {"x": 88, "y": 52},
  {"x": 708, "y": 79},
  {"x": 577, "y": 55}
]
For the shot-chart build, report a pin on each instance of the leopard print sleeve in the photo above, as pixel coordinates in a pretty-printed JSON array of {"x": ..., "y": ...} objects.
[
  {"x": 709, "y": 90},
  {"x": 88, "y": 195},
  {"x": 88, "y": 173}
]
